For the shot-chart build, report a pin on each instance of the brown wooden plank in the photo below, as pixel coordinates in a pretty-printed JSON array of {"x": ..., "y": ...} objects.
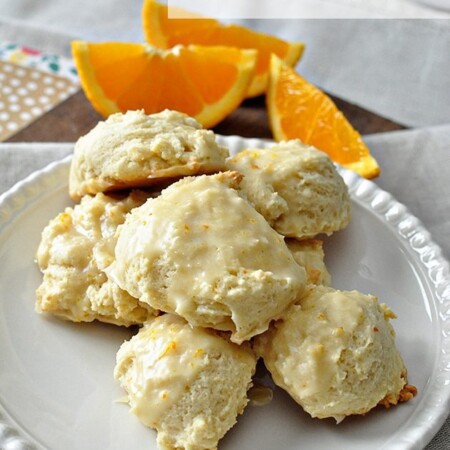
[{"x": 75, "y": 117}]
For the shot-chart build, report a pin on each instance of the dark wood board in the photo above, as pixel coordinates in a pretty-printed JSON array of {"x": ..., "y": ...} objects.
[{"x": 75, "y": 117}]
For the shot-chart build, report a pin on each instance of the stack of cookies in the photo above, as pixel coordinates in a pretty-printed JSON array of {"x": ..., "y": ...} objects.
[{"x": 217, "y": 260}]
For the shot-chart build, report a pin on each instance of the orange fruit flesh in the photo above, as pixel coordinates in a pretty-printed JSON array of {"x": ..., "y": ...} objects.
[
  {"x": 299, "y": 110},
  {"x": 166, "y": 33},
  {"x": 206, "y": 83},
  {"x": 234, "y": 36}
]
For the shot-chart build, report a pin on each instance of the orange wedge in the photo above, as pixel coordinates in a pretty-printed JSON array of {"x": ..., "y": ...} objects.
[
  {"x": 299, "y": 110},
  {"x": 207, "y": 83},
  {"x": 163, "y": 32}
]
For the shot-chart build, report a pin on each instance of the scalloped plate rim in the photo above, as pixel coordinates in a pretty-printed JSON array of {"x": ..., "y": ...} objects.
[{"x": 15, "y": 201}]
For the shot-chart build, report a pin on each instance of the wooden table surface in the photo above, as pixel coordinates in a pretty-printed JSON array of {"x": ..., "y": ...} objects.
[{"x": 75, "y": 117}]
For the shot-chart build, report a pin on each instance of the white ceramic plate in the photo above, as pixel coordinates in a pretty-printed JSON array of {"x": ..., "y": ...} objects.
[{"x": 56, "y": 385}]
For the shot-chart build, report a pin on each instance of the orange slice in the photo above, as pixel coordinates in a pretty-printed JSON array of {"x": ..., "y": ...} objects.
[
  {"x": 207, "y": 83},
  {"x": 299, "y": 110},
  {"x": 163, "y": 32}
]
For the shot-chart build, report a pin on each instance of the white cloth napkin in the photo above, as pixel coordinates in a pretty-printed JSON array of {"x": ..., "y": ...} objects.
[
  {"x": 415, "y": 169},
  {"x": 17, "y": 161},
  {"x": 314, "y": 9},
  {"x": 395, "y": 68},
  {"x": 398, "y": 69}
]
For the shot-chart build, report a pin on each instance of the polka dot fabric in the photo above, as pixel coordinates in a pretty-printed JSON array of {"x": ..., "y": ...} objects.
[{"x": 27, "y": 93}]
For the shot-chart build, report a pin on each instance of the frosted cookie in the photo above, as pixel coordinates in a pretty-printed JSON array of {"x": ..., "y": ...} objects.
[
  {"x": 188, "y": 383},
  {"x": 335, "y": 354},
  {"x": 309, "y": 254},
  {"x": 134, "y": 149},
  {"x": 203, "y": 252},
  {"x": 295, "y": 187},
  {"x": 75, "y": 247}
]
